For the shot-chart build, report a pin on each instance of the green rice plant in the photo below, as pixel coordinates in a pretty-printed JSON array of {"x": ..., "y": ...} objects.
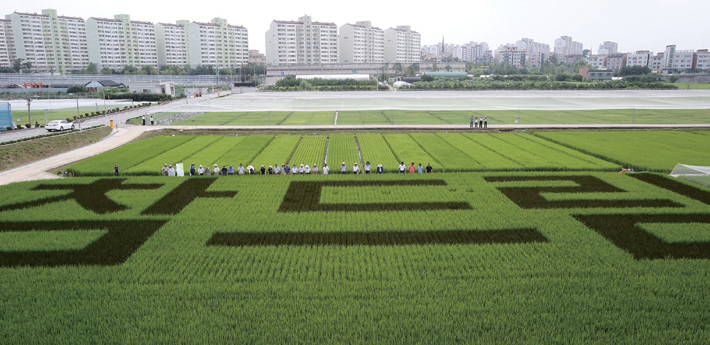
[
  {"x": 364, "y": 117},
  {"x": 212, "y": 153},
  {"x": 604, "y": 165},
  {"x": 482, "y": 155},
  {"x": 279, "y": 151},
  {"x": 451, "y": 158},
  {"x": 407, "y": 150},
  {"x": 524, "y": 157},
  {"x": 656, "y": 151},
  {"x": 126, "y": 156},
  {"x": 309, "y": 118},
  {"x": 246, "y": 150},
  {"x": 548, "y": 153},
  {"x": 375, "y": 150},
  {"x": 342, "y": 149},
  {"x": 176, "y": 155},
  {"x": 310, "y": 150}
]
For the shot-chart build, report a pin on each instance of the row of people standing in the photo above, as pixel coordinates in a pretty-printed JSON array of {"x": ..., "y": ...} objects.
[
  {"x": 168, "y": 170},
  {"x": 481, "y": 122}
]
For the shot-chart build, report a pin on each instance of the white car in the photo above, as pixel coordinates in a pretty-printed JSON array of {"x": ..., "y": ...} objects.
[{"x": 59, "y": 125}]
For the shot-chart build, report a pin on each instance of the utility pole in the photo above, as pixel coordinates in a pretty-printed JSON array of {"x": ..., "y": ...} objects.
[
  {"x": 29, "y": 113},
  {"x": 633, "y": 119}
]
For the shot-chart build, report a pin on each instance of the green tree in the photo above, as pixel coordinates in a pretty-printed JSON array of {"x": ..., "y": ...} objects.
[
  {"x": 17, "y": 65},
  {"x": 91, "y": 68},
  {"x": 27, "y": 66},
  {"x": 106, "y": 70}
]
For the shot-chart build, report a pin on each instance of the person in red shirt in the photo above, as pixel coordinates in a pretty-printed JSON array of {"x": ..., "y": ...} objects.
[{"x": 412, "y": 168}]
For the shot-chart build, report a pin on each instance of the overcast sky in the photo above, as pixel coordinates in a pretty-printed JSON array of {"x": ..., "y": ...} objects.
[{"x": 634, "y": 24}]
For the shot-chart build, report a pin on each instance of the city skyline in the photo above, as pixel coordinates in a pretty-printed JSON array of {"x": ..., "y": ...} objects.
[{"x": 635, "y": 25}]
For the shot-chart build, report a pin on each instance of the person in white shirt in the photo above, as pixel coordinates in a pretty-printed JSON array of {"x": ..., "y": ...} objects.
[
  {"x": 201, "y": 170},
  {"x": 343, "y": 169},
  {"x": 277, "y": 170},
  {"x": 171, "y": 171},
  {"x": 216, "y": 169},
  {"x": 240, "y": 169},
  {"x": 301, "y": 170},
  {"x": 368, "y": 167},
  {"x": 356, "y": 169},
  {"x": 307, "y": 170},
  {"x": 402, "y": 168},
  {"x": 326, "y": 170},
  {"x": 315, "y": 169},
  {"x": 294, "y": 170}
]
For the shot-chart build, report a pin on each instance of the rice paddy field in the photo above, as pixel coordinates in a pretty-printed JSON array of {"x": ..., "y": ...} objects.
[
  {"x": 515, "y": 238},
  {"x": 404, "y": 117}
]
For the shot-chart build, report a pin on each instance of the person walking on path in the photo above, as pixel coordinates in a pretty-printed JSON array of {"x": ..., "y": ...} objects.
[
  {"x": 343, "y": 169},
  {"x": 480, "y": 122},
  {"x": 115, "y": 170},
  {"x": 402, "y": 168},
  {"x": 326, "y": 170},
  {"x": 152, "y": 123},
  {"x": 368, "y": 167},
  {"x": 171, "y": 171},
  {"x": 165, "y": 170},
  {"x": 485, "y": 122},
  {"x": 380, "y": 169},
  {"x": 428, "y": 168},
  {"x": 420, "y": 169},
  {"x": 475, "y": 122},
  {"x": 412, "y": 168},
  {"x": 470, "y": 125},
  {"x": 143, "y": 120}
]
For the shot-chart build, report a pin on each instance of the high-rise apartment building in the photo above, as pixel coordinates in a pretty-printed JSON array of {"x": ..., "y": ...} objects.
[
  {"x": 51, "y": 43},
  {"x": 171, "y": 41},
  {"x": 566, "y": 46},
  {"x": 361, "y": 43},
  {"x": 402, "y": 45},
  {"x": 703, "y": 60},
  {"x": 535, "y": 52},
  {"x": 678, "y": 60},
  {"x": 301, "y": 42},
  {"x": 7, "y": 45},
  {"x": 119, "y": 42},
  {"x": 192, "y": 43},
  {"x": 509, "y": 54},
  {"x": 608, "y": 48}
]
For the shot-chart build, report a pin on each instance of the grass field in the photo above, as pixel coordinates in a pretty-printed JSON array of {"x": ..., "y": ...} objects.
[
  {"x": 444, "y": 151},
  {"x": 692, "y": 86},
  {"x": 401, "y": 117},
  {"x": 492, "y": 257}
]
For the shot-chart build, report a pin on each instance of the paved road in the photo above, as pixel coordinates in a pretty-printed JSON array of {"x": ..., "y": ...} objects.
[{"x": 118, "y": 118}]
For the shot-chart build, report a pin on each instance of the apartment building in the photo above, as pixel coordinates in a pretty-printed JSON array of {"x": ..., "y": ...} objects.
[
  {"x": 256, "y": 57},
  {"x": 402, "y": 45},
  {"x": 566, "y": 46},
  {"x": 361, "y": 43},
  {"x": 598, "y": 62},
  {"x": 535, "y": 52},
  {"x": 171, "y": 40},
  {"x": 640, "y": 58},
  {"x": 7, "y": 45},
  {"x": 657, "y": 63},
  {"x": 509, "y": 54},
  {"x": 608, "y": 48},
  {"x": 51, "y": 43},
  {"x": 119, "y": 42},
  {"x": 301, "y": 42},
  {"x": 677, "y": 60},
  {"x": 615, "y": 62},
  {"x": 703, "y": 60},
  {"x": 193, "y": 43}
]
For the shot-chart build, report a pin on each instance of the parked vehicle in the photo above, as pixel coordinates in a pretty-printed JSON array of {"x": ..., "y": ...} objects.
[{"x": 59, "y": 125}]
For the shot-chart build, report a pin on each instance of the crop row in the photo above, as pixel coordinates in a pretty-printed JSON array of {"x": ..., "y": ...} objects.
[
  {"x": 655, "y": 150},
  {"x": 342, "y": 149},
  {"x": 278, "y": 152},
  {"x": 375, "y": 150},
  {"x": 310, "y": 150},
  {"x": 153, "y": 165}
]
